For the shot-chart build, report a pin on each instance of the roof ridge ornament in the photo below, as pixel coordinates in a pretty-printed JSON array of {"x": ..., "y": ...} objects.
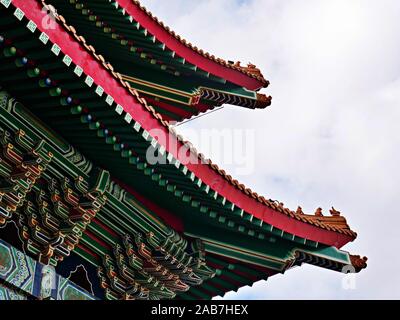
[
  {"x": 358, "y": 262},
  {"x": 319, "y": 213},
  {"x": 334, "y": 212}
]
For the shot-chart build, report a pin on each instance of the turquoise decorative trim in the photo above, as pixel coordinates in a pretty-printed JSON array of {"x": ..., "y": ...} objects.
[
  {"x": 99, "y": 91},
  {"x": 6, "y": 3},
  {"x": 109, "y": 100},
  {"x": 10, "y": 294},
  {"x": 67, "y": 60},
  {"x": 78, "y": 71},
  {"x": 19, "y": 14},
  {"x": 44, "y": 38},
  {"x": 56, "y": 49},
  {"x": 31, "y": 26},
  {"x": 119, "y": 109}
]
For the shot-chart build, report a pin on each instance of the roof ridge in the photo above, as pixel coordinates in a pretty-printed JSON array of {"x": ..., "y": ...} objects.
[{"x": 250, "y": 70}]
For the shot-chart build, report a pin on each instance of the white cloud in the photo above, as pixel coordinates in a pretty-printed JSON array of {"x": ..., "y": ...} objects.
[{"x": 331, "y": 136}]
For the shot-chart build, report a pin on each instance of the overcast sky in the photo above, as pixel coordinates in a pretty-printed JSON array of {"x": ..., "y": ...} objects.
[{"x": 331, "y": 136}]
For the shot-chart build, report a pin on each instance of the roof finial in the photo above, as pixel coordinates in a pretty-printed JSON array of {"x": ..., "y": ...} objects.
[
  {"x": 299, "y": 210},
  {"x": 263, "y": 101},
  {"x": 318, "y": 212}
]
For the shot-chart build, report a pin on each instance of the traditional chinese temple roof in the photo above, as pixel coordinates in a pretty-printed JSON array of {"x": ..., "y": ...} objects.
[
  {"x": 177, "y": 78},
  {"x": 80, "y": 96},
  {"x": 250, "y": 199}
]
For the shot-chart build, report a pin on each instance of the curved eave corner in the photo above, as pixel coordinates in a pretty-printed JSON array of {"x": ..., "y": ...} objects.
[
  {"x": 248, "y": 76},
  {"x": 330, "y": 229}
]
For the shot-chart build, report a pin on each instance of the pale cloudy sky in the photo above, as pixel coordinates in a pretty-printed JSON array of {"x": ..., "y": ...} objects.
[{"x": 331, "y": 136}]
